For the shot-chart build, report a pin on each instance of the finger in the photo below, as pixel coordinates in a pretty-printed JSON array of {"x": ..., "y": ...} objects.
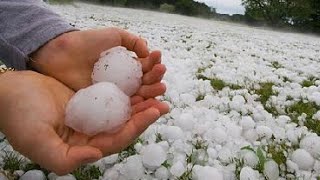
[
  {"x": 113, "y": 143},
  {"x": 136, "y": 99},
  {"x": 57, "y": 156},
  {"x": 155, "y": 75},
  {"x": 149, "y": 62},
  {"x": 151, "y": 91},
  {"x": 144, "y": 105},
  {"x": 133, "y": 43},
  {"x": 162, "y": 107}
]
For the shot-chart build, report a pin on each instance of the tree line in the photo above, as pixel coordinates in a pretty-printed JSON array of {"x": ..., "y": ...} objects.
[
  {"x": 186, "y": 7},
  {"x": 301, "y": 14}
]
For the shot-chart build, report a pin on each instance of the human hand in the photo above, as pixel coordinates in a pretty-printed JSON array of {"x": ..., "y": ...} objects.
[
  {"x": 70, "y": 58},
  {"x": 32, "y": 112}
]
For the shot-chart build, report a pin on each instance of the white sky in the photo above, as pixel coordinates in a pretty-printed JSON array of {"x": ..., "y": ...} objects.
[{"x": 225, "y": 6}]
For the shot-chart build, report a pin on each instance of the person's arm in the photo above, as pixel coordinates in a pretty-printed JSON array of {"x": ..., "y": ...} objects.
[{"x": 25, "y": 26}]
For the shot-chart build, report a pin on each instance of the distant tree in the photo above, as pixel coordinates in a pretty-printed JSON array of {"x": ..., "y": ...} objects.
[
  {"x": 169, "y": 8},
  {"x": 303, "y": 14}
]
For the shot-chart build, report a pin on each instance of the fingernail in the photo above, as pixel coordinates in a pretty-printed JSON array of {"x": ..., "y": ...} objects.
[{"x": 90, "y": 160}]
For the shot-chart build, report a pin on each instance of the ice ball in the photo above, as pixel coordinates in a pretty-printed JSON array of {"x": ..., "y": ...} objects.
[
  {"x": 102, "y": 107},
  {"x": 119, "y": 66}
]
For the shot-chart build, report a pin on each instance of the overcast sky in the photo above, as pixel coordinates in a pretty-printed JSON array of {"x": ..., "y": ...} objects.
[{"x": 226, "y": 6}]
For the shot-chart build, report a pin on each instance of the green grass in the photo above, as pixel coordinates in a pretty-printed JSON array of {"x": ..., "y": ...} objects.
[
  {"x": 12, "y": 161},
  {"x": 309, "y": 108},
  {"x": 309, "y": 82},
  {"x": 87, "y": 172},
  {"x": 200, "y": 144},
  {"x": 218, "y": 84},
  {"x": 158, "y": 137},
  {"x": 129, "y": 151},
  {"x": 276, "y": 65},
  {"x": 278, "y": 153},
  {"x": 265, "y": 92},
  {"x": 200, "y": 97},
  {"x": 33, "y": 166},
  {"x": 239, "y": 165}
]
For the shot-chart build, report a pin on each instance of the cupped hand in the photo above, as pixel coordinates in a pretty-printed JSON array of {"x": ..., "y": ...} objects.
[
  {"x": 70, "y": 58},
  {"x": 32, "y": 112}
]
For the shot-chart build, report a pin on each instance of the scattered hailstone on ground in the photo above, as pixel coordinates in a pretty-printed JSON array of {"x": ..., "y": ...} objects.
[
  {"x": 250, "y": 159},
  {"x": 153, "y": 156},
  {"x": 312, "y": 145},
  {"x": 33, "y": 175},
  {"x": 177, "y": 169},
  {"x": 303, "y": 159},
  {"x": 162, "y": 173},
  {"x": 271, "y": 170},
  {"x": 133, "y": 168},
  {"x": 102, "y": 107},
  {"x": 119, "y": 66},
  {"x": 206, "y": 173},
  {"x": 247, "y": 173}
]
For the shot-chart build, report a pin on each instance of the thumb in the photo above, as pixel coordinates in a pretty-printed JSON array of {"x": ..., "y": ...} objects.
[{"x": 56, "y": 155}]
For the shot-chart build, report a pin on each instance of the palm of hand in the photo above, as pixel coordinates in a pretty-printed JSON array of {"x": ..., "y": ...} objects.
[{"x": 43, "y": 136}]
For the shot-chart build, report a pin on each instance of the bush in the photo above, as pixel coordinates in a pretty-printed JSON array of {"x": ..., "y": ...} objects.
[{"x": 167, "y": 8}]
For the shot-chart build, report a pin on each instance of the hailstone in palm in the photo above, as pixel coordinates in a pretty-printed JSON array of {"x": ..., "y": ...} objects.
[
  {"x": 119, "y": 66},
  {"x": 105, "y": 106},
  {"x": 102, "y": 107}
]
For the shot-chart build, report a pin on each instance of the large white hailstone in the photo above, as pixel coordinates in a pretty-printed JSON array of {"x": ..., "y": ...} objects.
[
  {"x": 271, "y": 170},
  {"x": 162, "y": 173},
  {"x": 312, "y": 145},
  {"x": 303, "y": 159},
  {"x": 102, "y": 107},
  {"x": 264, "y": 132},
  {"x": 251, "y": 135},
  {"x": 153, "y": 156},
  {"x": 177, "y": 169},
  {"x": 237, "y": 103},
  {"x": 206, "y": 173},
  {"x": 34, "y": 175},
  {"x": 118, "y": 65},
  {"x": 247, "y": 123},
  {"x": 133, "y": 168},
  {"x": 218, "y": 135},
  {"x": 250, "y": 159},
  {"x": 172, "y": 133},
  {"x": 109, "y": 160},
  {"x": 247, "y": 173},
  {"x": 185, "y": 121}
]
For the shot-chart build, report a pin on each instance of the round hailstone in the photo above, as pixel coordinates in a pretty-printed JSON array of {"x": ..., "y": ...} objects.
[
  {"x": 34, "y": 175},
  {"x": 102, "y": 107},
  {"x": 162, "y": 173},
  {"x": 153, "y": 156},
  {"x": 247, "y": 173},
  {"x": 133, "y": 168},
  {"x": 206, "y": 173},
  {"x": 247, "y": 123},
  {"x": 312, "y": 145},
  {"x": 303, "y": 159},
  {"x": 271, "y": 170},
  {"x": 66, "y": 177},
  {"x": 250, "y": 159},
  {"x": 118, "y": 65},
  {"x": 177, "y": 169}
]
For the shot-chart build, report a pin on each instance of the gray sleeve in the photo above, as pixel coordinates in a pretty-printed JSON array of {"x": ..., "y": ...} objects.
[{"x": 25, "y": 26}]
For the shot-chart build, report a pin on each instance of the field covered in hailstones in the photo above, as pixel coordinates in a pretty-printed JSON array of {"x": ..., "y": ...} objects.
[{"x": 245, "y": 102}]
